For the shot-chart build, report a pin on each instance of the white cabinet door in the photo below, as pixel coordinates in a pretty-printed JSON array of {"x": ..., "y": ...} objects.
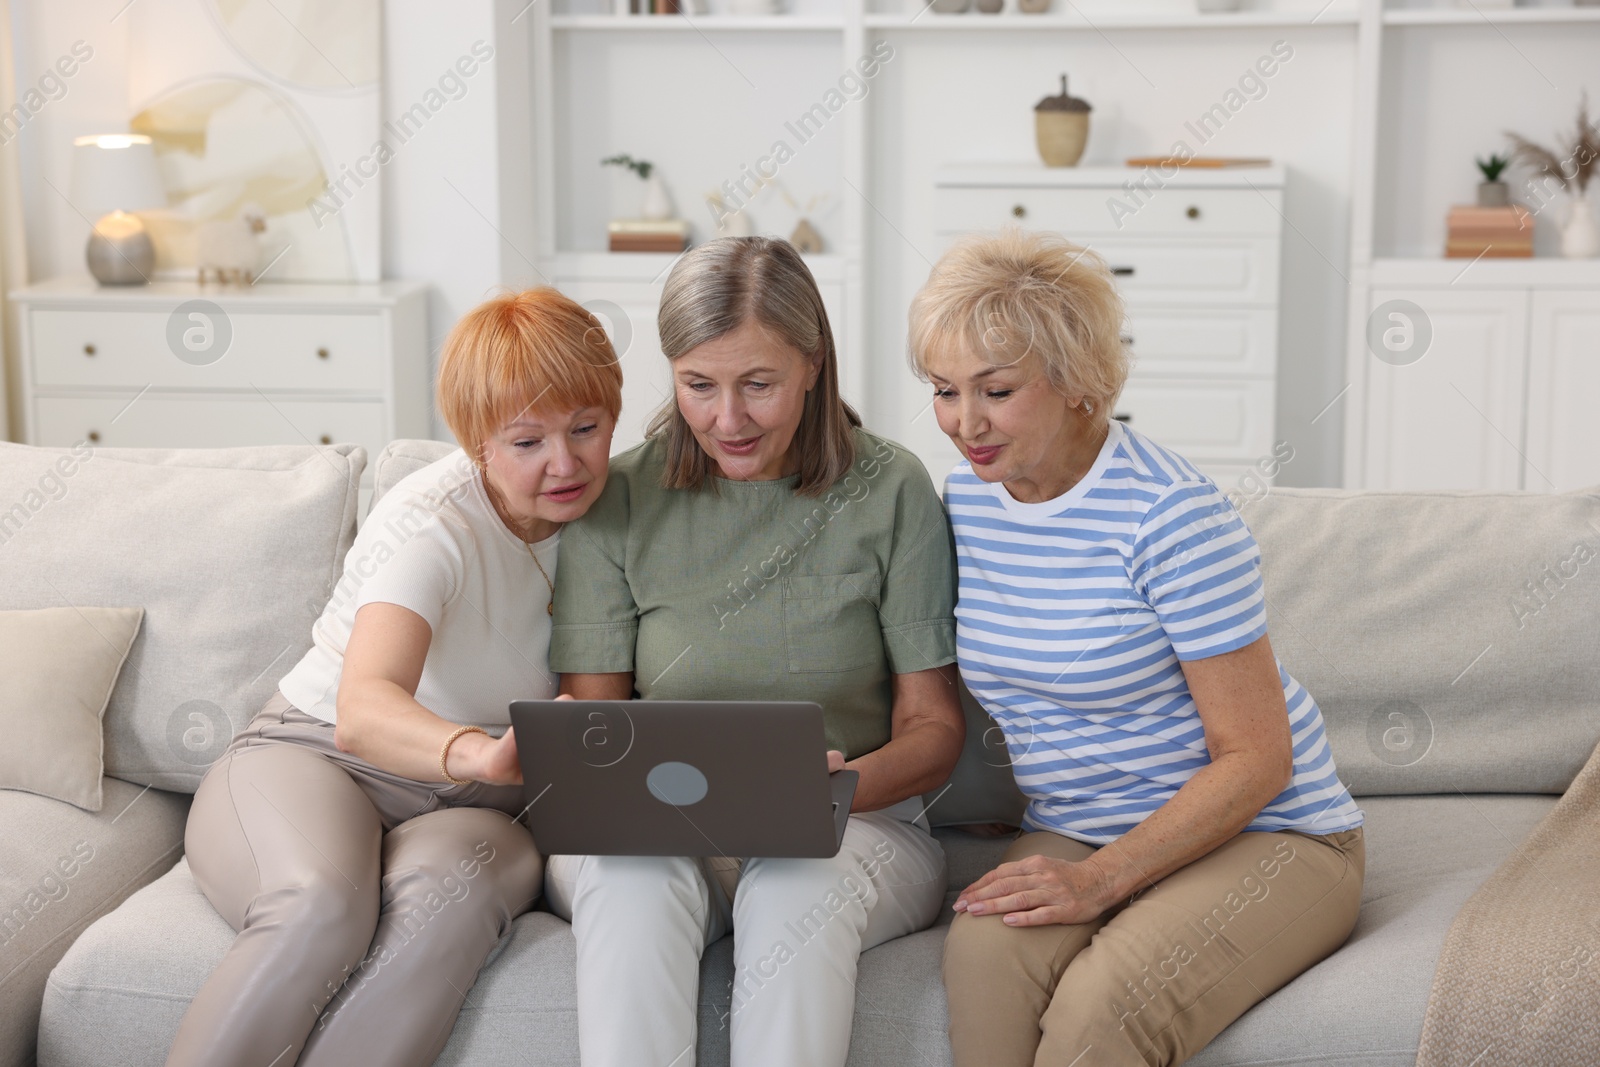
[
  {"x": 1563, "y": 391},
  {"x": 1453, "y": 418}
]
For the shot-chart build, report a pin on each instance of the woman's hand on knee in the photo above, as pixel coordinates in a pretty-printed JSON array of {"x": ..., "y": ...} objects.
[{"x": 1038, "y": 891}]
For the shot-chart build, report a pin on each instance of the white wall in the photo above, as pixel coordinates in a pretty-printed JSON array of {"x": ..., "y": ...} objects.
[{"x": 449, "y": 216}]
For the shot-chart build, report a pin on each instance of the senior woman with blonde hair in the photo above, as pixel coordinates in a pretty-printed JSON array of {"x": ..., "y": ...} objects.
[
  {"x": 760, "y": 545},
  {"x": 360, "y": 833},
  {"x": 1187, "y": 846}
]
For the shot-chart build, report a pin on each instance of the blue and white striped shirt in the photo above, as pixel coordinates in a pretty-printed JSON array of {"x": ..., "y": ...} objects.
[{"x": 1073, "y": 617}]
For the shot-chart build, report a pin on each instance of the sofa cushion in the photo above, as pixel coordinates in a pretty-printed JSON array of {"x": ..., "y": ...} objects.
[
  {"x": 134, "y": 971},
  {"x": 403, "y": 457},
  {"x": 63, "y": 869},
  {"x": 57, "y": 669},
  {"x": 1448, "y": 637},
  {"x": 231, "y": 552}
]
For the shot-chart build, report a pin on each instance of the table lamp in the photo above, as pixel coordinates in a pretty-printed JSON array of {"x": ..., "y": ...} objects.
[{"x": 113, "y": 175}]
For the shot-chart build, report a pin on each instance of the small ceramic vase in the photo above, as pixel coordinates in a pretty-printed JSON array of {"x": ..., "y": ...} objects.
[
  {"x": 1580, "y": 237},
  {"x": 656, "y": 204}
]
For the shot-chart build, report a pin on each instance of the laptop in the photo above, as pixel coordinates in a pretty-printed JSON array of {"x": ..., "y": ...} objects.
[{"x": 730, "y": 778}]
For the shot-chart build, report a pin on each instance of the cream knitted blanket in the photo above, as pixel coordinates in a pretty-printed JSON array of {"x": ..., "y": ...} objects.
[{"x": 1518, "y": 983}]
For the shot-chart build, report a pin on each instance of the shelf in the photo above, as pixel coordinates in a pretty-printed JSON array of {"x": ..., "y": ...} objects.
[
  {"x": 652, "y": 266},
  {"x": 696, "y": 23},
  {"x": 1036, "y": 175},
  {"x": 82, "y": 290},
  {"x": 1538, "y": 272},
  {"x": 1484, "y": 16},
  {"x": 1111, "y": 20}
]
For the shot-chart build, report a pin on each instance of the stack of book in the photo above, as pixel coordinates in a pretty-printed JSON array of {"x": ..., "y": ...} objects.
[
  {"x": 648, "y": 235},
  {"x": 1489, "y": 231}
]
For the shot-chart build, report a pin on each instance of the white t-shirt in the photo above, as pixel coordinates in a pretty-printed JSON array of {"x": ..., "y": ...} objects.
[{"x": 435, "y": 545}]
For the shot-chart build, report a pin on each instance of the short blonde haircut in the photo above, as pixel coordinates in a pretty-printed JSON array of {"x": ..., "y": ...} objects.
[
  {"x": 524, "y": 351},
  {"x": 1009, "y": 295},
  {"x": 715, "y": 289}
]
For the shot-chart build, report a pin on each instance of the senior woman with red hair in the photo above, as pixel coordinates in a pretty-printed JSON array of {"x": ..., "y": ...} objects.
[{"x": 359, "y": 834}]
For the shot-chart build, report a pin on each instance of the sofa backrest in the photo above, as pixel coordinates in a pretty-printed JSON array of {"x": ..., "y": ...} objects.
[
  {"x": 231, "y": 552},
  {"x": 1452, "y": 639}
]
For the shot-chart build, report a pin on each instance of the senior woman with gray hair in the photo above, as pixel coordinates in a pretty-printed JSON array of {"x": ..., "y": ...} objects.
[
  {"x": 760, "y": 545},
  {"x": 1187, "y": 846}
]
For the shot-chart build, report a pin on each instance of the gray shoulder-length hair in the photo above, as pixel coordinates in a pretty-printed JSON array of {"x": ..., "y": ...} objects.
[{"x": 716, "y": 288}]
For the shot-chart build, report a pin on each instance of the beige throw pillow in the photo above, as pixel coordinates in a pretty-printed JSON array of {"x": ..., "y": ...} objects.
[{"x": 57, "y": 670}]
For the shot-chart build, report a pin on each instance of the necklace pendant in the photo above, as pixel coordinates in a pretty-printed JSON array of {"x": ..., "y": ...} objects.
[{"x": 550, "y": 608}]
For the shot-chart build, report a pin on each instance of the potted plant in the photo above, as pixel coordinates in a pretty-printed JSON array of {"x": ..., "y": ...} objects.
[
  {"x": 656, "y": 203},
  {"x": 1580, "y": 237},
  {"x": 1492, "y": 192}
]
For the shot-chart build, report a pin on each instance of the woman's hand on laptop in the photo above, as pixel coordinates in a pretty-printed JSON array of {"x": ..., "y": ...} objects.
[
  {"x": 494, "y": 760},
  {"x": 481, "y": 758},
  {"x": 835, "y": 760}
]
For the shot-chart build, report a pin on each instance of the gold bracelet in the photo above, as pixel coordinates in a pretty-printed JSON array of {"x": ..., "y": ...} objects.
[{"x": 444, "y": 753}]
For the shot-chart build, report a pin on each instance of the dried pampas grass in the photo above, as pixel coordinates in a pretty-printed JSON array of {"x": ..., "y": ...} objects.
[{"x": 1582, "y": 159}]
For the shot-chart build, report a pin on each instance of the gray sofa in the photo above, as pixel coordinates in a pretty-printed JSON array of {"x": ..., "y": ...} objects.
[{"x": 1447, "y": 636}]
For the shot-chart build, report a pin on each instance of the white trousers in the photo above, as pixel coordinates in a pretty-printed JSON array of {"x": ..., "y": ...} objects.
[{"x": 642, "y": 923}]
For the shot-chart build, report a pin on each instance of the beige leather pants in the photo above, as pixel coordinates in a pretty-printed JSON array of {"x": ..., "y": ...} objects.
[{"x": 365, "y": 902}]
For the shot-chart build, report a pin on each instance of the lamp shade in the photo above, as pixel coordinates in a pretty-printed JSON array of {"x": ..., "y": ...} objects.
[{"x": 115, "y": 172}]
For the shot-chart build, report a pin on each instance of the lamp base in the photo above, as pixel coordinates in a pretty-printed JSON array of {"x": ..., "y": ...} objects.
[{"x": 119, "y": 251}]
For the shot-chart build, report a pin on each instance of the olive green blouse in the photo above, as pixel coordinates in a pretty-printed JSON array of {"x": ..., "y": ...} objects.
[{"x": 750, "y": 591}]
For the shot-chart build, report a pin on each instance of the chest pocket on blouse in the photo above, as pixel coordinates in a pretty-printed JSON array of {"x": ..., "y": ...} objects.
[{"x": 830, "y": 622}]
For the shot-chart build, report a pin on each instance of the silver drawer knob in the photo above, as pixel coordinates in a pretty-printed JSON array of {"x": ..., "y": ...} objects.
[{"x": 1018, "y": 211}]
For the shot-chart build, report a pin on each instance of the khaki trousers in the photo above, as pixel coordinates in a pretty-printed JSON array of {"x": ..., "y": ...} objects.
[
  {"x": 365, "y": 902},
  {"x": 1158, "y": 976}
]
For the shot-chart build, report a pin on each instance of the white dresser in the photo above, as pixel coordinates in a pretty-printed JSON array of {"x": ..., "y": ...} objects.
[
  {"x": 1196, "y": 258},
  {"x": 171, "y": 364}
]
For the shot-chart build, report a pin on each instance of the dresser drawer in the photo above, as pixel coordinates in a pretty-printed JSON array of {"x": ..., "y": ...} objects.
[
  {"x": 1204, "y": 273},
  {"x": 1202, "y": 420},
  {"x": 1203, "y": 342},
  {"x": 1082, "y": 213},
  {"x": 131, "y": 349},
  {"x": 197, "y": 420}
]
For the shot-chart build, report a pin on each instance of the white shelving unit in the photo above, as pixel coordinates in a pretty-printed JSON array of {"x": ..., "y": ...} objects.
[
  {"x": 1077, "y": 19},
  {"x": 606, "y": 82},
  {"x": 1496, "y": 399}
]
